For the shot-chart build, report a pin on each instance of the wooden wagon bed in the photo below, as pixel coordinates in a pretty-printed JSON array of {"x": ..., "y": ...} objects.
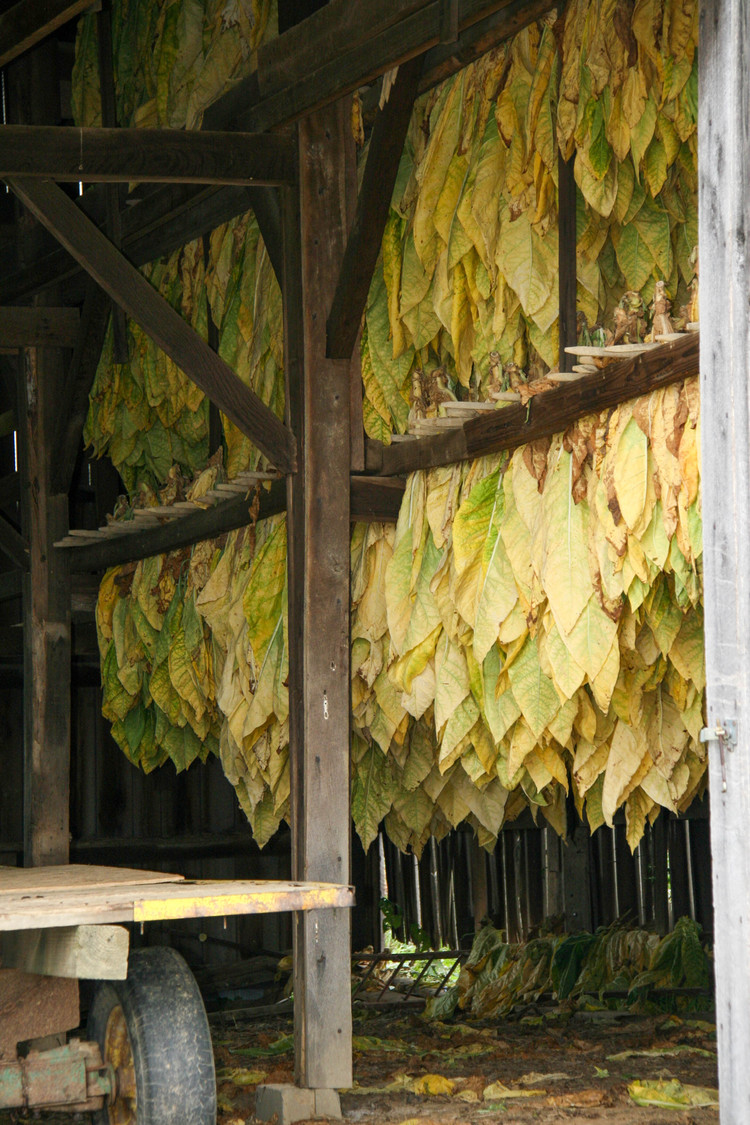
[{"x": 71, "y": 895}]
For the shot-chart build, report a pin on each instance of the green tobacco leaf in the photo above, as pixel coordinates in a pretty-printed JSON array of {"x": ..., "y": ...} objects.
[
  {"x": 372, "y": 790},
  {"x": 671, "y": 1094}
]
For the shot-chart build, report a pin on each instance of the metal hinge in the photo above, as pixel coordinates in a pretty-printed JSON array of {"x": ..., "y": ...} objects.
[{"x": 726, "y": 735}]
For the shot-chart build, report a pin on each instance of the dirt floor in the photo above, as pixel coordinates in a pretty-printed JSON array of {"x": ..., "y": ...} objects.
[
  {"x": 548, "y": 1068},
  {"x": 553, "y": 1070}
]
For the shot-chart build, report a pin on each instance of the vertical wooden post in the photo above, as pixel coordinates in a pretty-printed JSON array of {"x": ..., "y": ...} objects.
[
  {"x": 576, "y": 878},
  {"x": 566, "y": 226},
  {"x": 724, "y": 225},
  {"x": 33, "y": 98},
  {"x": 46, "y": 621},
  {"x": 318, "y": 552},
  {"x": 479, "y": 895}
]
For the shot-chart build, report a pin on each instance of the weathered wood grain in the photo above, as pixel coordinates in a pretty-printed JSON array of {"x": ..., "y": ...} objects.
[
  {"x": 371, "y": 499},
  {"x": 373, "y": 205},
  {"x": 111, "y": 270},
  {"x": 74, "y": 952},
  {"x": 38, "y": 327},
  {"x": 92, "y": 155},
  {"x": 567, "y": 260},
  {"x": 30, "y": 21},
  {"x": 723, "y": 225},
  {"x": 546, "y": 414},
  {"x": 288, "y": 85},
  {"x": 318, "y": 398},
  {"x": 46, "y": 616},
  {"x": 151, "y": 902}
]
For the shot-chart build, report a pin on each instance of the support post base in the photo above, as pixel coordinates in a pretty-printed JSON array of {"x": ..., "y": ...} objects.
[{"x": 292, "y": 1103}]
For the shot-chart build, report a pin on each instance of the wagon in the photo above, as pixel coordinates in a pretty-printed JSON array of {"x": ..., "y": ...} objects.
[{"x": 147, "y": 1057}]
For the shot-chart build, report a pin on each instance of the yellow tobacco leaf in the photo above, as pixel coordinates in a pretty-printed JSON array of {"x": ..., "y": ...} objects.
[
  {"x": 533, "y": 691},
  {"x": 630, "y": 473},
  {"x": 625, "y": 757},
  {"x": 564, "y": 551}
]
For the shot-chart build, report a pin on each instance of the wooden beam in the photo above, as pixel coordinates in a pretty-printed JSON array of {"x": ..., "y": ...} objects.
[
  {"x": 277, "y": 94},
  {"x": 157, "y": 225},
  {"x": 264, "y": 202},
  {"x": 206, "y": 523},
  {"x": 372, "y": 499},
  {"x": 158, "y": 319},
  {"x": 153, "y": 226},
  {"x": 79, "y": 379},
  {"x": 318, "y": 516},
  {"x": 13, "y": 545},
  {"x": 113, "y": 223},
  {"x": 546, "y": 414},
  {"x": 30, "y": 21},
  {"x": 71, "y": 155},
  {"x": 373, "y": 205},
  {"x": 74, "y": 952},
  {"x": 446, "y": 59},
  {"x": 567, "y": 260},
  {"x": 38, "y": 327},
  {"x": 723, "y": 225},
  {"x": 370, "y": 502}
]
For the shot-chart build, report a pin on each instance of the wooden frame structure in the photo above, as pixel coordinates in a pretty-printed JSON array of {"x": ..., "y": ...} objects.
[{"x": 323, "y": 241}]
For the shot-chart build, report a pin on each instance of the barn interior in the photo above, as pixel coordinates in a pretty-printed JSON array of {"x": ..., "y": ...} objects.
[{"x": 372, "y": 514}]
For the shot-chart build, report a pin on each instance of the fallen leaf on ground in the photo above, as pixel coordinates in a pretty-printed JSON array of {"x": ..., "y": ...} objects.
[
  {"x": 240, "y": 1075},
  {"x": 673, "y": 1095},
  {"x": 433, "y": 1084},
  {"x": 499, "y": 1090},
  {"x": 372, "y": 1043},
  {"x": 661, "y": 1052},
  {"x": 534, "y": 1078},
  {"x": 580, "y": 1098},
  {"x": 470, "y": 1089}
]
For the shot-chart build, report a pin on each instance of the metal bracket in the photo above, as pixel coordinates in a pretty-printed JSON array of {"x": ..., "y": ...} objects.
[{"x": 726, "y": 735}]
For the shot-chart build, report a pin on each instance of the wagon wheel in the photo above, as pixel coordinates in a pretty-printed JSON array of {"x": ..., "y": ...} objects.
[{"x": 153, "y": 1032}]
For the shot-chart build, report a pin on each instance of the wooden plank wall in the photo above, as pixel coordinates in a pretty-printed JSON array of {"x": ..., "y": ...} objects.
[{"x": 668, "y": 876}]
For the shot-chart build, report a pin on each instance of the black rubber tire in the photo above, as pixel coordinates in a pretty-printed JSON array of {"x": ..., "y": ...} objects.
[{"x": 169, "y": 1036}]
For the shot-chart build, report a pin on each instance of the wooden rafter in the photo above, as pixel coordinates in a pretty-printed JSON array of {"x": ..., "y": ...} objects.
[
  {"x": 546, "y": 414},
  {"x": 159, "y": 223},
  {"x": 444, "y": 60},
  {"x": 72, "y": 155},
  {"x": 372, "y": 499},
  {"x": 112, "y": 271},
  {"x": 153, "y": 226},
  {"x": 30, "y": 21},
  {"x": 373, "y": 205},
  {"x": 38, "y": 327},
  {"x": 291, "y": 80}
]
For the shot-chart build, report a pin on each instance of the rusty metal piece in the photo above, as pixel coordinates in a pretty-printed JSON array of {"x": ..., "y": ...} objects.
[
  {"x": 70, "y": 1077},
  {"x": 404, "y": 961},
  {"x": 118, "y": 1054}
]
